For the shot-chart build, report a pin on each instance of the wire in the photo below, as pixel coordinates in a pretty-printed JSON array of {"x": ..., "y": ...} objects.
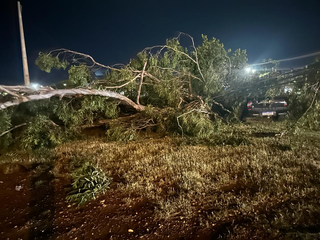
[{"x": 288, "y": 59}]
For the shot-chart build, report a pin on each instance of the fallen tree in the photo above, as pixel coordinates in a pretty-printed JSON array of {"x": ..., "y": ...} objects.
[{"x": 176, "y": 83}]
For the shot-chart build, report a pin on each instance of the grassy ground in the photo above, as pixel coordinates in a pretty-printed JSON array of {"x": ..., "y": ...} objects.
[{"x": 246, "y": 183}]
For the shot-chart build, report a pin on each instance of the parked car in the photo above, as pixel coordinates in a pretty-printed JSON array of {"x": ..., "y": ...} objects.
[{"x": 266, "y": 107}]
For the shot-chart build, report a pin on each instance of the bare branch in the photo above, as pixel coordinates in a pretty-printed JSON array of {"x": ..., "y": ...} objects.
[
  {"x": 195, "y": 53},
  {"x": 219, "y": 104},
  {"x": 8, "y": 91},
  {"x": 20, "y": 125},
  {"x": 141, "y": 81},
  {"x": 124, "y": 83},
  {"x": 180, "y": 73},
  {"x": 64, "y": 51},
  {"x": 152, "y": 77}
]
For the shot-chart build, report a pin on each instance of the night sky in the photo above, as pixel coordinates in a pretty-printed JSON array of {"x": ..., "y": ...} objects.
[{"x": 114, "y": 31}]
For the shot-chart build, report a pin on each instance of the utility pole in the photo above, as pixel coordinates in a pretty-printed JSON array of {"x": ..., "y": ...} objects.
[{"x": 23, "y": 49}]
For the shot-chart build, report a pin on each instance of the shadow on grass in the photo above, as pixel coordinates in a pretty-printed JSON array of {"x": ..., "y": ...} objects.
[{"x": 42, "y": 201}]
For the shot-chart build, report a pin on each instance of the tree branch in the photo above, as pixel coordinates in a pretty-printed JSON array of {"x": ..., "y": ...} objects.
[
  {"x": 64, "y": 50},
  {"x": 195, "y": 53},
  {"x": 312, "y": 102},
  {"x": 219, "y": 104},
  {"x": 193, "y": 110},
  {"x": 141, "y": 81},
  {"x": 20, "y": 125},
  {"x": 47, "y": 92},
  {"x": 124, "y": 83},
  {"x": 8, "y": 91},
  {"x": 183, "y": 53}
]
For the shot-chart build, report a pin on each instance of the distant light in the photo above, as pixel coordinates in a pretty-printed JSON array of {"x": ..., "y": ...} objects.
[
  {"x": 287, "y": 89},
  {"x": 64, "y": 84},
  {"x": 35, "y": 85},
  {"x": 250, "y": 70}
]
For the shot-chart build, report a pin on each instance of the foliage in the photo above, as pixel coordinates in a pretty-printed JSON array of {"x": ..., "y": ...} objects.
[
  {"x": 120, "y": 77},
  {"x": 165, "y": 119},
  {"x": 237, "y": 111},
  {"x": 312, "y": 119},
  {"x": 67, "y": 113},
  {"x": 91, "y": 105},
  {"x": 41, "y": 133},
  {"x": 80, "y": 75},
  {"x": 88, "y": 182},
  {"x": 120, "y": 133},
  {"x": 274, "y": 92},
  {"x": 181, "y": 77},
  {"x": 199, "y": 125},
  {"x": 304, "y": 105},
  {"x": 5, "y": 124},
  {"x": 194, "y": 124},
  {"x": 88, "y": 109},
  {"x": 214, "y": 65},
  {"x": 53, "y": 121},
  {"x": 168, "y": 93},
  {"x": 238, "y": 59},
  {"x": 274, "y": 63},
  {"x": 173, "y": 74},
  {"x": 46, "y": 62},
  {"x": 29, "y": 110},
  {"x": 206, "y": 70},
  {"x": 300, "y": 99}
]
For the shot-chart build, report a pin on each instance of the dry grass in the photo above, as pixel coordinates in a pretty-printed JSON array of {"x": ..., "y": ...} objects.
[
  {"x": 270, "y": 188},
  {"x": 265, "y": 190}
]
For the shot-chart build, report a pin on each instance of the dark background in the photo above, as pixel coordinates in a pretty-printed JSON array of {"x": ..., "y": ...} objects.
[{"x": 114, "y": 31}]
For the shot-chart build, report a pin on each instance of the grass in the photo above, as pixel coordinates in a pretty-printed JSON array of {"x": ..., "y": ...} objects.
[{"x": 268, "y": 189}]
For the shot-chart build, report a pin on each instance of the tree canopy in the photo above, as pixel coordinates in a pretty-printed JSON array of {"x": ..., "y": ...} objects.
[{"x": 162, "y": 75}]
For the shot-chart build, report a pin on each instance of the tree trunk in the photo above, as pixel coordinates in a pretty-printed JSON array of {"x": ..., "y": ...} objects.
[{"x": 27, "y": 93}]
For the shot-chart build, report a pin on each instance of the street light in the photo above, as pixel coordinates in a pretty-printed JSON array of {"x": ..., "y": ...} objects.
[
  {"x": 35, "y": 85},
  {"x": 248, "y": 69}
]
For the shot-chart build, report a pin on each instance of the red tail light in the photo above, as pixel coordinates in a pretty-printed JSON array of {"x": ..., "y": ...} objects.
[
  {"x": 249, "y": 105},
  {"x": 285, "y": 103}
]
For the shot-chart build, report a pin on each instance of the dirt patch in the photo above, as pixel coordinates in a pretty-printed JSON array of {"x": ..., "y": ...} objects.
[{"x": 34, "y": 207}]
